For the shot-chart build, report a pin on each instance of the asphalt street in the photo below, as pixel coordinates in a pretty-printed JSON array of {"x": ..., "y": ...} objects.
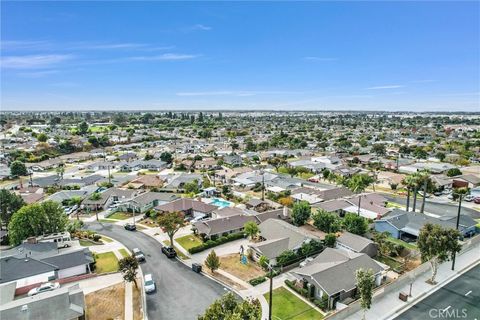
[
  {"x": 460, "y": 299},
  {"x": 181, "y": 293},
  {"x": 443, "y": 209}
]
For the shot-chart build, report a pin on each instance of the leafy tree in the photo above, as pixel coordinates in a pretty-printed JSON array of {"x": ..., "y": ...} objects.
[
  {"x": 74, "y": 225},
  {"x": 330, "y": 240},
  {"x": 9, "y": 204},
  {"x": 276, "y": 162},
  {"x": 365, "y": 285},
  {"x": 326, "y": 222},
  {"x": 166, "y": 157},
  {"x": 440, "y": 156},
  {"x": 212, "y": 261},
  {"x": 230, "y": 308},
  {"x": 83, "y": 128},
  {"x": 385, "y": 247},
  {"x": 42, "y": 137},
  {"x": 286, "y": 257},
  {"x": 251, "y": 229},
  {"x": 355, "y": 224},
  {"x": 454, "y": 172},
  {"x": 310, "y": 247},
  {"x": 379, "y": 149},
  {"x": 171, "y": 222},
  {"x": 18, "y": 168},
  {"x": 301, "y": 212},
  {"x": 96, "y": 196},
  {"x": 437, "y": 244},
  {"x": 192, "y": 187},
  {"x": 128, "y": 267},
  {"x": 36, "y": 219}
]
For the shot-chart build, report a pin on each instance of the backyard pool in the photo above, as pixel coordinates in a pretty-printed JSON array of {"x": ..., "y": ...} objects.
[{"x": 221, "y": 203}]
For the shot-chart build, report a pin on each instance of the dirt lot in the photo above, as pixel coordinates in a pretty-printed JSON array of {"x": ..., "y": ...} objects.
[
  {"x": 231, "y": 264},
  {"x": 108, "y": 303},
  {"x": 223, "y": 279},
  {"x": 137, "y": 303}
]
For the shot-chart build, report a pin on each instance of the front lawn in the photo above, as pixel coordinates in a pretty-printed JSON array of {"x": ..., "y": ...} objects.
[
  {"x": 106, "y": 262},
  {"x": 189, "y": 241},
  {"x": 404, "y": 244},
  {"x": 124, "y": 253},
  {"x": 87, "y": 243},
  {"x": 180, "y": 254},
  {"x": 120, "y": 216},
  {"x": 392, "y": 263},
  {"x": 231, "y": 264},
  {"x": 286, "y": 305}
]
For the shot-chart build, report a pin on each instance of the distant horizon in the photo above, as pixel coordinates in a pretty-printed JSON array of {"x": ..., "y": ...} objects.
[{"x": 391, "y": 55}]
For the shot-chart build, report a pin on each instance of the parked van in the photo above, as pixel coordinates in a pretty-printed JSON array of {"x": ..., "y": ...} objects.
[{"x": 62, "y": 239}]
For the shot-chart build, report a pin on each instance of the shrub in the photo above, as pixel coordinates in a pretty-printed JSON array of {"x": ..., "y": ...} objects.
[
  {"x": 301, "y": 291},
  {"x": 257, "y": 281},
  {"x": 213, "y": 243},
  {"x": 96, "y": 237}
]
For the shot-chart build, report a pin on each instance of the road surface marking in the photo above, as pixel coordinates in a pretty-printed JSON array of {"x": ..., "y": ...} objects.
[
  {"x": 447, "y": 308},
  {"x": 466, "y": 294}
]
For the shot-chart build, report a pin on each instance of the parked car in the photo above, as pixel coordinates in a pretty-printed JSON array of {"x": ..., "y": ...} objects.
[
  {"x": 149, "y": 284},
  {"x": 476, "y": 200},
  {"x": 48, "y": 286},
  {"x": 138, "y": 254},
  {"x": 469, "y": 198},
  {"x": 304, "y": 262},
  {"x": 169, "y": 252},
  {"x": 130, "y": 227},
  {"x": 438, "y": 193},
  {"x": 450, "y": 197}
]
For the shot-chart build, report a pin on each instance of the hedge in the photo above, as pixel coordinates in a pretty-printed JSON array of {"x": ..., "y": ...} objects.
[
  {"x": 258, "y": 280},
  {"x": 301, "y": 291},
  {"x": 213, "y": 243}
]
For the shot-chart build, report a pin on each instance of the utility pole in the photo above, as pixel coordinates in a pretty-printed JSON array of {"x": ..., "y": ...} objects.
[
  {"x": 263, "y": 186},
  {"x": 359, "y": 203},
  {"x": 456, "y": 227},
  {"x": 270, "y": 302},
  {"x": 408, "y": 198},
  {"x": 422, "y": 208}
]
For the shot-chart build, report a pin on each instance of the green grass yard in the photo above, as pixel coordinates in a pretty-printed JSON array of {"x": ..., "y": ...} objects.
[
  {"x": 120, "y": 216},
  {"x": 392, "y": 263},
  {"x": 86, "y": 243},
  {"x": 286, "y": 305},
  {"x": 189, "y": 241},
  {"x": 407, "y": 245},
  {"x": 124, "y": 252},
  {"x": 106, "y": 262},
  {"x": 180, "y": 254}
]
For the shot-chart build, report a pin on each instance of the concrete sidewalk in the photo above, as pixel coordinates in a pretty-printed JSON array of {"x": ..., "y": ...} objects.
[{"x": 389, "y": 306}]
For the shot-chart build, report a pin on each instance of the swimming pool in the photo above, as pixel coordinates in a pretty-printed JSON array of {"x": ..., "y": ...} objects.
[{"x": 221, "y": 203}]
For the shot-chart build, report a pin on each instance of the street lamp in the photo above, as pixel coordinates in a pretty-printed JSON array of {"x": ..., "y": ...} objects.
[{"x": 458, "y": 222}]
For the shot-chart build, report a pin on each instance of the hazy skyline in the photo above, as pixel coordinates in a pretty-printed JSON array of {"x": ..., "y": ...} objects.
[{"x": 405, "y": 56}]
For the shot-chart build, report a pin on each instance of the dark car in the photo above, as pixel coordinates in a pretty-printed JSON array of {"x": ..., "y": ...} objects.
[
  {"x": 130, "y": 227},
  {"x": 476, "y": 200},
  {"x": 169, "y": 252}
]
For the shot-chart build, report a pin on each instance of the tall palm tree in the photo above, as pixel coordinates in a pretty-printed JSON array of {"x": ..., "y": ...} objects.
[
  {"x": 409, "y": 182},
  {"x": 357, "y": 184},
  {"x": 425, "y": 182}
]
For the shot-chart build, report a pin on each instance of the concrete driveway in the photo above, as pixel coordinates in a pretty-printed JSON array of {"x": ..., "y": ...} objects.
[{"x": 181, "y": 293}]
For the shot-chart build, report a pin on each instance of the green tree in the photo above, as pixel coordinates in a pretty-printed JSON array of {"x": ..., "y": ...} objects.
[
  {"x": 230, "y": 308},
  {"x": 18, "y": 168},
  {"x": 325, "y": 221},
  {"x": 9, "y": 204},
  {"x": 170, "y": 223},
  {"x": 128, "y": 266},
  {"x": 365, "y": 285},
  {"x": 251, "y": 229},
  {"x": 454, "y": 172},
  {"x": 36, "y": 219},
  {"x": 263, "y": 261},
  {"x": 212, "y": 261},
  {"x": 166, "y": 157},
  {"x": 357, "y": 184},
  {"x": 42, "y": 137},
  {"x": 276, "y": 162},
  {"x": 192, "y": 187},
  {"x": 437, "y": 244},
  {"x": 83, "y": 128},
  {"x": 355, "y": 224},
  {"x": 301, "y": 212},
  {"x": 330, "y": 239},
  {"x": 379, "y": 149},
  {"x": 410, "y": 182}
]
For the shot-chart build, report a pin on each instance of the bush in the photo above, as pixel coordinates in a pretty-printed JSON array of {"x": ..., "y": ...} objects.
[
  {"x": 213, "y": 243},
  {"x": 257, "y": 281},
  {"x": 301, "y": 291},
  {"x": 96, "y": 237}
]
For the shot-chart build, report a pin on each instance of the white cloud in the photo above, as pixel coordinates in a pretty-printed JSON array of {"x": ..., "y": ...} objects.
[
  {"x": 201, "y": 27},
  {"x": 33, "y": 61},
  {"x": 393, "y": 86},
  {"x": 165, "y": 57}
]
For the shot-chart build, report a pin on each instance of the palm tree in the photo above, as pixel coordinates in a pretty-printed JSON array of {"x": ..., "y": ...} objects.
[
  {"x": 426, "y": 182},
  {"x": 357, "y": 184},
  {"x": 409, "y": 182}
]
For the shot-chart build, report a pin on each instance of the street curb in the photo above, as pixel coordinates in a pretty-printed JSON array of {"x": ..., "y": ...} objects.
[{"x": 435, "y": 289}]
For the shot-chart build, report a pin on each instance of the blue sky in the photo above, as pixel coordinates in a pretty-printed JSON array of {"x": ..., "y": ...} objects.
[{"x": 421, "y": 56}]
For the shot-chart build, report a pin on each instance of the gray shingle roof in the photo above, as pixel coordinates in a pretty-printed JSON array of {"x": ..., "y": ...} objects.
[
  {"x": 12, "y": 268},
  {"x": 356, "y": 242}
]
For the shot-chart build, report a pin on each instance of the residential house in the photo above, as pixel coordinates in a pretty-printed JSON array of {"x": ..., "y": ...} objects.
[
  {"x": 333, "y": 273},
  {"x": 355, "y": 243},
  {"x": 178, "y": 182},
  {"x": 407, "y": 225},
  {"x": 112, "y": 195},
  {"x": 259, "y": 205},
  {"x": 189, "y": 207},
  {"x": 279, "y": 236},
  {"x": 372, "y": 205},
  {"x": 466, "y": 181},
  {"x": 148, "y": 181},
  {"x": 65, "y": 303},
  {"x": 147, "y": 200},
  {"x": 233, "y": 160}
]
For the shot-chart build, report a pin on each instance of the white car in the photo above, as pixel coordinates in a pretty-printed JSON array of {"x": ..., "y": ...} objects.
[
  {"x": 469, "y": 198},
  {"x": 48, "y": 286},
  {"x": 149, "y": 284}
]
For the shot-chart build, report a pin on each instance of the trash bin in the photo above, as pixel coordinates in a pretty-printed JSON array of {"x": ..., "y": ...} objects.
[
  {"x": 196, "y": 267},
  {"x": 403, "y": 296}
]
